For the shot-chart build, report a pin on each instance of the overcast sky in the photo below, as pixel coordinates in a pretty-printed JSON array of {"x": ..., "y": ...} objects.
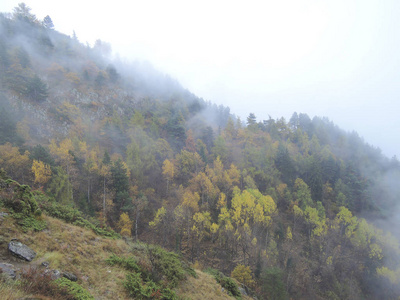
[{"x": 333, "y": 58}]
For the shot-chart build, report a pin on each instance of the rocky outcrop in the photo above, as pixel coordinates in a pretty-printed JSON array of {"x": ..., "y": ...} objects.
[
  {"x": 8, "y": 270},
  {"x": 21, "y": 251}
]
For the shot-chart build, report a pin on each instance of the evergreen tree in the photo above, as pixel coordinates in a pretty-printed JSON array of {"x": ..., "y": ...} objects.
[
  {"x": 120, "y": 182},
  {"x": 285, "y": 165},
  {"x": 48, "y": 23},
  {"x": 37, "y": 89}
]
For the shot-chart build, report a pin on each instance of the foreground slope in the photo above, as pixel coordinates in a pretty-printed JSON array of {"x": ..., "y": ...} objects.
[{"x": 76, "y": 250}]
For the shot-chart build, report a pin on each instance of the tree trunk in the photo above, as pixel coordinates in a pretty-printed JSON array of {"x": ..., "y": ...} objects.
[{"x": 104, "y": 199}]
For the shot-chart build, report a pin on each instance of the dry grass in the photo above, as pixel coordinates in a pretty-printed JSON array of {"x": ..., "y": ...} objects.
[
  {"x": 202, "y": 287},
  {"x": 9, "y": 291},
  {"x": 72, "y": 249},
  {"x": 80, "y": 251}
]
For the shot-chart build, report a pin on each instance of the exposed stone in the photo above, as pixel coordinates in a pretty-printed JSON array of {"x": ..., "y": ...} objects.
[
  {"x": 20, "y": 250},
  {"x": 8, "y": 269},
  {"x": 55, "y": 274},
  {"x": 70, "y": 276},
  {"x": 3, "y": 215},
  {"x": 45, "y": 264},
  {"x": 242, "y": 291}
]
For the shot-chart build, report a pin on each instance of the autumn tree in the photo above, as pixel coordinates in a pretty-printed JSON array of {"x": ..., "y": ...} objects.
[
  {"x": 41, "y": 171},
  {"x": 60, "y": 187},
  {"x": 139, "y": 204},
  {"x": 159, "y": 223},
  {"x": 105, "y": 173},
  {"x": 63, "y": 153},
  {"x": 16, "y": 165},
  {"x": 302, "y": 194},
  {"x": 168, "y": 171},
  {"x": 125, "y": 225},
  {"x": 244, "y": 275}
]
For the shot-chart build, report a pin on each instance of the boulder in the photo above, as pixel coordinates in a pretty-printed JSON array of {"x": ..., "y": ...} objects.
[
  {"x": 8, "y": 269},
  {"x": 70, "y": 276},
  {"x": 21, "y": 251}
]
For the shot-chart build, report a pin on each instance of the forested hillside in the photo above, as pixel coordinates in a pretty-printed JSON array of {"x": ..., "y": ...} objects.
[{"x": 291, "y": 208}]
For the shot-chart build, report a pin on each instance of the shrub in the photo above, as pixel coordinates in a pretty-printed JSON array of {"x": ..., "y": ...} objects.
[
  {"x": 127, "y": 263},
  {"x": 33, "y": 281},
  {"x": 169, "y": 265},
  {"x": 73, "y": 289},
  {"x": 19, "y": 198},
  {"x": 140, "y": 283},
  {"x": 230, "y": 285},
  {"x": 75, "y": 217},
  {"x": 36, "y": 224},
  {"x": 226, "y": 282},
  {"x": 22, "y": 203}
]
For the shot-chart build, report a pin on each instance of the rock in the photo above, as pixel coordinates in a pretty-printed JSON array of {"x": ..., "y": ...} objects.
[
  {"x": 55, "y": 274},
  {"x": 70, "y": 276},
  {"x": 3, "y": 215},
  {"x": 20, "y": 250},
  {"x": 8, "y": 269},
  {"x": 242, "y": 291},
  {"x": 45, "y": 264}
]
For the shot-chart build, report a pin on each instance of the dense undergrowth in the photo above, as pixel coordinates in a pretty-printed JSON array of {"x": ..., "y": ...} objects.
[{"x": 27, "y": 206}]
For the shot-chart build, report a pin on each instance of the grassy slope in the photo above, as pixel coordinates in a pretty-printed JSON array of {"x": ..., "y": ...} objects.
[{"x": 74, "y": 249}]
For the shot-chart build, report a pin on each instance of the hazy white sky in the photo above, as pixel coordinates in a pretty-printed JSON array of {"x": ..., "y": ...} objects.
[{"x": 334, "y": 58}]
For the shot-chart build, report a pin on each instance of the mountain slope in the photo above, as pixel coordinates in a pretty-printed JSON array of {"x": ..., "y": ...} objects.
[{"x": 300, "y": 206}]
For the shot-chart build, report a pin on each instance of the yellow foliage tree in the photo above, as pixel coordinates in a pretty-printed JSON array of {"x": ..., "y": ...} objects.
[
  {"x": 42, "y": 171},
  {"x": 125, "y": 224},
  {"x": 15, "y": 164},
  {"x": 168, "y": 171},
  {"x": 63, "y": 153},
  {"x": 243, "y": 274}
]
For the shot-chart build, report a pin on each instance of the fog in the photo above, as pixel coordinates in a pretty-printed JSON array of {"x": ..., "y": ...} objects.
[{"x": 337, "y": 59}]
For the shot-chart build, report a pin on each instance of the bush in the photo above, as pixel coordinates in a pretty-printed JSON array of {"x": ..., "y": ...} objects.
[
  {"x": 33, "y": 281},
  {"x": 226, "y": 282},
  {"x": 127, "y": 263},
  {"x": 75, "y": 217},
  {"x": 141, "y": 289},
  {"x": 141, "y": 284},
  {"x": 19, "y": 198},
  {"x": 230, "y": 285},
  {"x": 73, "y": 289},
  {"x": 37, "y": 224},
  {"x": 22, "y": 203},
  {"x": 169, "y": 265}
]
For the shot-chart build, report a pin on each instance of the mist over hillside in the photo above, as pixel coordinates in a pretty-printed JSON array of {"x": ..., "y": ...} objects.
[{"x": 304, "y": 208}]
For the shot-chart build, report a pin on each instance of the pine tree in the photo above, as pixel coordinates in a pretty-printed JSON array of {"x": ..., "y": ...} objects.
[
  {"x": 37, "y": 89},
  {"x": 48, "y": 23}
]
